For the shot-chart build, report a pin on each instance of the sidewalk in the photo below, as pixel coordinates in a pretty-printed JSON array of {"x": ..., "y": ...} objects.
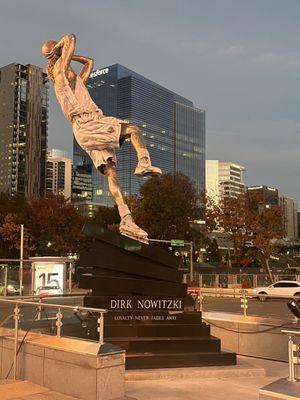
[
  {"x": 209, "y": 388},
  {"x": 211, "y": 383}
]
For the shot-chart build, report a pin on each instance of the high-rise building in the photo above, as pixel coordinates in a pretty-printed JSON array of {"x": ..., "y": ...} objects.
[
  {"x": 231, "y": 179},
  {"x": 23, "y": 130},
  {"x": 173, "y": 128},
  {"x": 263, "y": 197},
  {"x": 224, "y": 179},
  {"x": 290, "y": 217},
  {"x": 212, "y": 183},
  {"x": 59, "y": 173}
]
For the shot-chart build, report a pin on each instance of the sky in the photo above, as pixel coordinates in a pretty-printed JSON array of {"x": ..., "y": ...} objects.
[{"x": 237, "y": 59}]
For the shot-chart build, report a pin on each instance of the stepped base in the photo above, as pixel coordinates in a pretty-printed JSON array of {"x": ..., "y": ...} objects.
[
  {"x": 149, "y": 314},
  {"x": 165, "y": 339},
  {"x": 179, "y": 360}
]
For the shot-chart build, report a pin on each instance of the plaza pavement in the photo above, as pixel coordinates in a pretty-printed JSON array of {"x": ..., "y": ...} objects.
[{"x": 212, "y": 383}]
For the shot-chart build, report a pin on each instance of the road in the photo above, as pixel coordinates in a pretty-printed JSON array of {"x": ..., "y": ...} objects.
[{"x": 269, "y": 308}]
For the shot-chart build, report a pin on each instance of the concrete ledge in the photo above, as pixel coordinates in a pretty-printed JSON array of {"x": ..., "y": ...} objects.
[
  {"x": 251, "y": 336},
  {"x": 281, "y": 390},
  {"x": 70, "y": 366}
]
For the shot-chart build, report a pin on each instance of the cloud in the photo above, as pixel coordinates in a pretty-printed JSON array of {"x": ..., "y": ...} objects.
[
  {"x": 280, "y": 60},
  {"x": 232, "y": 50}
]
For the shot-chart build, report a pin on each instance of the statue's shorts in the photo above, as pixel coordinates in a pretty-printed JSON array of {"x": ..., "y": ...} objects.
[{"x": 99, "y": 136}]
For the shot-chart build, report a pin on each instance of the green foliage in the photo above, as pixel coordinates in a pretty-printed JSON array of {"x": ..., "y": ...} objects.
[
  {"x": 107, "y": 216},
  {"x": 166, "y": 206}
]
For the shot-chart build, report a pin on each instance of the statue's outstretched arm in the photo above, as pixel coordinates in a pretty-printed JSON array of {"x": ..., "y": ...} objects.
[
  {"x": 88, "y": 64},
  {"x": 65, "y": 48}
]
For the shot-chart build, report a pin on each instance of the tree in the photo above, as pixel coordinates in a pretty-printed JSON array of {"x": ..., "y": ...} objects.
[
  {"x": 107, "y": 216},
  {"x": 252, "y": 229},
  {"x": 166, "y": 206},
  {"x": 55, "y": 226},
  {"x": 10, "y": 237},
  {"x": 52, "y": 227}
]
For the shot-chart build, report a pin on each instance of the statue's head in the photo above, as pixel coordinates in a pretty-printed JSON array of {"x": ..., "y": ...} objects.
[
  {"x": 52, "y": 57},
  {"x": 47, "y": 48}
]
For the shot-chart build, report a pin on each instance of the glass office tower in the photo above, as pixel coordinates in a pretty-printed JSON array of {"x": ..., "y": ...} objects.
[
  {"x": 174, "y": 130},
  {"x": 23, "y": 130}
]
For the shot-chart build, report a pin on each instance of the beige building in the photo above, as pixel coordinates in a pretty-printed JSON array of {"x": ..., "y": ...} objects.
[
  {"x": 59, "y": 173},
  {"x": 224, "y": 178},
  {"x": 290, "y": 218}
]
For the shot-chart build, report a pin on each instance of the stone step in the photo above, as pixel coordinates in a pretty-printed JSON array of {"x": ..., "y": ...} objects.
[
  {"x": 171, "y": 360},
  {"x": 155, "y": 330},
  {"x": 130, "y": 286},
  {"x": 166, "y": 345}
]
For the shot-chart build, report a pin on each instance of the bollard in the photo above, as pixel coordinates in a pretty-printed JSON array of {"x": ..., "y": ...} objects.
[
  {"x": 292, "y": 348},
  {"x": 58, "y": 323},
  {"x": 244, "y": 304},
  {"x": 200, "y": 301},
  {"x": 16, "y": 318}
]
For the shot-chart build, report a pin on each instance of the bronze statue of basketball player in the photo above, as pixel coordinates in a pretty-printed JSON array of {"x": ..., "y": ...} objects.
[{"x": 97, "y": 134}]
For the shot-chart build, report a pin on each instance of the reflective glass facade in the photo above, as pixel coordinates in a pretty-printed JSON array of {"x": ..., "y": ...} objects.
[
  {"x": 23, "y": 130},
  {"x": 173, "y": 128}
]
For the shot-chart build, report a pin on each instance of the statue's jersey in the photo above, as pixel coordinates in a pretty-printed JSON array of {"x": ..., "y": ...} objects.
[{"x": 92, "y": 130}]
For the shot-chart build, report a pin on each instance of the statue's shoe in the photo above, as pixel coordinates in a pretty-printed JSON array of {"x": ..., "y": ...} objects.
[
  {"x": 130, "y": 229},
  {"x": 146, "y": 170}
]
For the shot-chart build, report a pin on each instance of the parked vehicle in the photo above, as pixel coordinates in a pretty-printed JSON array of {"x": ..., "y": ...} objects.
[
  {"x": 48, "y": 290},
  {"x": 12, "y": 288},
  {"x": 280, "y": 288}
]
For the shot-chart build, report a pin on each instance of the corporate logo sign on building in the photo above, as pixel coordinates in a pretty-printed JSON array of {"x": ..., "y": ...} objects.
[{"x": 99, "y": 72}]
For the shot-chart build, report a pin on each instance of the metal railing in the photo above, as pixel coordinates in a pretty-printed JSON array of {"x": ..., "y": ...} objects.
[
  {"x": 59, "y": 316},
  {"x": 234, "y": 281},
  {"x": 242, "y": 294},
  {"x": 293, "y": 348}
]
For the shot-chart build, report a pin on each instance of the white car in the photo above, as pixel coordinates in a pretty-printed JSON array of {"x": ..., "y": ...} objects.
[
  {"x": 280, "y": 288},
  {"x": 48, "y": 290}
]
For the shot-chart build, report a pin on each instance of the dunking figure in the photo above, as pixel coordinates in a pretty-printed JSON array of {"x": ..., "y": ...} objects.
[{"x": 97, "y": 134}]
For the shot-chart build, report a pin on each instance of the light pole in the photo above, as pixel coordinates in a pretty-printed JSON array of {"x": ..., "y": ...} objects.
[{"x": 21, "y": 260}]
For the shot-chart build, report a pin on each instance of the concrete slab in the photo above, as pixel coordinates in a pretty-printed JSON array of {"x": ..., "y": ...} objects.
[
  {"x": 24, "y": 390},
  {"x": 281, "y": 389},
  {"x": 195, "y": 372},
  {"x": 19, "y": 389}
]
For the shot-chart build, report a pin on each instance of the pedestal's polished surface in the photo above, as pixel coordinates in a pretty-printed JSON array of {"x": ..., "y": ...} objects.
[{"x": 150, "y": 314}]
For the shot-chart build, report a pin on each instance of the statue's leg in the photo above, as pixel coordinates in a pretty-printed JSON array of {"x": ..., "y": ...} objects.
[
  {"x": 144, "y": 166},
  {"x": 127, "y": 226}
]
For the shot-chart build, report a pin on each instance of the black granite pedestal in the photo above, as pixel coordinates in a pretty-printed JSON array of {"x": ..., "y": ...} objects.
[{"x": 150, "y": 314}]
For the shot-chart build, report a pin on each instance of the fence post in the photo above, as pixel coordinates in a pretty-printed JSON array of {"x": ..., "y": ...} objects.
[
  {"x": 5, "y": 280},
  {"x": 200, "y": 280},
  {"x": 70, "y": 276},
  {"x": 254, "y": 281},
  {"x": 32, "y": 277},
  {"x": 216, "y": 280},
  {"x": 100, "y": 328}
]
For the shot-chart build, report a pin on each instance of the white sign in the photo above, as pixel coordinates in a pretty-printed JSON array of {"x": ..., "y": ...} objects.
[
  {"x": 98, "y": 72},
  {"x": 49, "y": 274}
]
